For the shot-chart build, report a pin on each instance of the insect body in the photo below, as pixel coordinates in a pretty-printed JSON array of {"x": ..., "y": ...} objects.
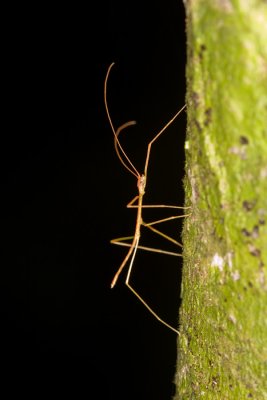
[{"x": 141, "y": 184}]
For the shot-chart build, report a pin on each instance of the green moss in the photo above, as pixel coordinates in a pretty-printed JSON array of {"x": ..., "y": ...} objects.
[{"x": 223, "y": 343}]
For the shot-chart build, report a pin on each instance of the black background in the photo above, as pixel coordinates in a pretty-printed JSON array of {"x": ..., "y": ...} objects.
[{"x": 64, "y": 192}]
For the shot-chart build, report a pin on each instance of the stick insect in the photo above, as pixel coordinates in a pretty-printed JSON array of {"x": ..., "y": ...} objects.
[{"x": 137, "y": 202}]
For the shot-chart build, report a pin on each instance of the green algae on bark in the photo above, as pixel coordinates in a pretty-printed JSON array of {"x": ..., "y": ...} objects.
[{"x": 223, "y": 318}]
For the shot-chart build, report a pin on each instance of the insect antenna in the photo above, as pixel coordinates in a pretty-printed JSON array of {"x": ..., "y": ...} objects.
[{"x": 126, "y": 162}]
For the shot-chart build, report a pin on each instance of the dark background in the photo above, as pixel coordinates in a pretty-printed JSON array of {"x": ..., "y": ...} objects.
[{"x": 64, "y": 192}]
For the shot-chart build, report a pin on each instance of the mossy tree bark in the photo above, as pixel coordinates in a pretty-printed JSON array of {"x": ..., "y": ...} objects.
[{"x": 223, "y": 318}]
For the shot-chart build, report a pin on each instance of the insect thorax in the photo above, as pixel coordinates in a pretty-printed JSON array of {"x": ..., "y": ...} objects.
[{"x": 141, "y": 184}]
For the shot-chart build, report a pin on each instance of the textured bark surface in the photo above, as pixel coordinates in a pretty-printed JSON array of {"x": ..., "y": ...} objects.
[{"x": 223, "y": 319}]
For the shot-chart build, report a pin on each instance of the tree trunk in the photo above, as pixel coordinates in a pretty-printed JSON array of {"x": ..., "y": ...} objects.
[{"x": 223, "y": 318}]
